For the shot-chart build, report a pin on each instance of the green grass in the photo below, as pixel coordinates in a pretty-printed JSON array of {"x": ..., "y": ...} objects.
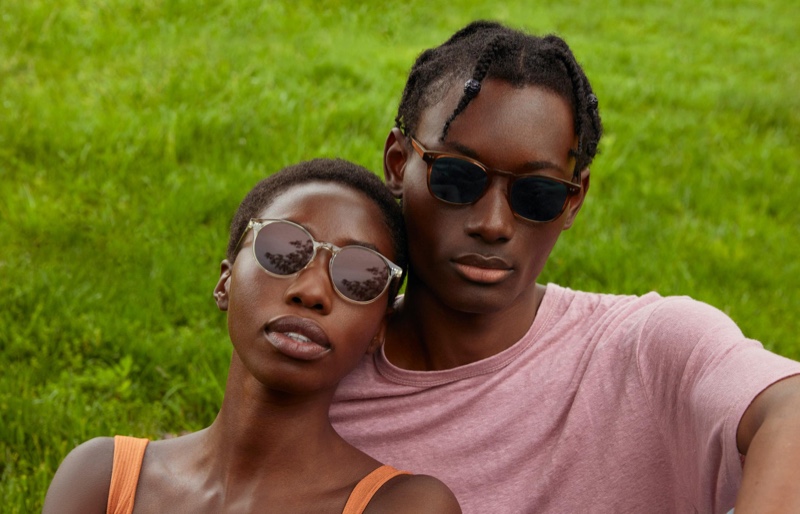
[{"x": 130, "y": 130}]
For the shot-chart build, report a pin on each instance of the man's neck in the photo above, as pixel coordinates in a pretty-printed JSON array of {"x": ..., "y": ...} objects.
[{"x": 425, "y": 334}]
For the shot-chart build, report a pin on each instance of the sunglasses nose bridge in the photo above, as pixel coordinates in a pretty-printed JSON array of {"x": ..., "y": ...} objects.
[
  {"x": 501, "y": 180},
  {"x": 506, "y": 177},
  {"x": 332, "y": 249}
]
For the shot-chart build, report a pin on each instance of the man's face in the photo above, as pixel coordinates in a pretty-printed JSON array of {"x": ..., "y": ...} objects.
[{"x": 480, "y": 258}]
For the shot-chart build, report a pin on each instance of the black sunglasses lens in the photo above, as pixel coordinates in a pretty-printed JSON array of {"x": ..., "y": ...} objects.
[
  {"x": 458, "y": 181},
  {"x": 359, "y": 274},
  {"x": 538, "y": 199},
  {"x": 282, "y": 248}
]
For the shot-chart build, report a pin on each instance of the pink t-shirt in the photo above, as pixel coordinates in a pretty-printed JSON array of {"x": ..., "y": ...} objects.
[{"x": 607, "y": 404}]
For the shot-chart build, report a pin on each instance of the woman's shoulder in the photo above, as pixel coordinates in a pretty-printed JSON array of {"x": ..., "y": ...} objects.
[
  {"x": 414, "y": 494},
  {"x": 82, "y": 480}
]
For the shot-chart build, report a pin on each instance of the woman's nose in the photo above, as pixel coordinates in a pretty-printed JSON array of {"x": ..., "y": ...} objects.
[{"x": 312, "y": 287}]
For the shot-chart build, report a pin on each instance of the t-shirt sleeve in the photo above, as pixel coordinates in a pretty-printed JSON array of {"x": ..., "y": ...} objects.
[{"x": 700, "y": 373}]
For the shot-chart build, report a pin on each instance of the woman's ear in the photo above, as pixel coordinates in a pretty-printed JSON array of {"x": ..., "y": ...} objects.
[
  {"x": 395, "y": 155},
  {"x": 380, "y": 336},
  {"x": 576, "y": 202},
  {"x": 222, "y": 289}
]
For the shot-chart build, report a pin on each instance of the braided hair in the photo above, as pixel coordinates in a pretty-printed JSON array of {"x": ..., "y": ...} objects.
[{"x": 506, "y": 54}]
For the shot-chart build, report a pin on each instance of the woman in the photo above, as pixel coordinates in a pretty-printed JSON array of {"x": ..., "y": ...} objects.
[{"x": 307, "y": 285}]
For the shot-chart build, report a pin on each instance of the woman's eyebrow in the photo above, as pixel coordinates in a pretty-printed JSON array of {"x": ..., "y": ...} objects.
[
  {"x": 345, "y": 242},
  {"x": 357, "y": 242}
]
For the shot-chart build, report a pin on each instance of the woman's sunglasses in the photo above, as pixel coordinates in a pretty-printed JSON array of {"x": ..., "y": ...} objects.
[
  {"x": 283, "y": 248},
  {"x": 459, "y": 180}
]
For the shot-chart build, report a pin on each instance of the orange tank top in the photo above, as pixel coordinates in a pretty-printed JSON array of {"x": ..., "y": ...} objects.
[
  {"x": 129, "y": 452},
  {"x": 368, "y": 486},
  {"x": 128, "y": 455}
]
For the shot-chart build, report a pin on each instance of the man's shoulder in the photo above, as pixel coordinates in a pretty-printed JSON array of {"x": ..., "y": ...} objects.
[
  {"x": 626, "y": 322},
  {"x": 571, "y": 306}
]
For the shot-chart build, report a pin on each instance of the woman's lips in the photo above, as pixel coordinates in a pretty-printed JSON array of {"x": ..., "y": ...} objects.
[
  {"x": 481, "y": 269},
  {"x": 298, "y": 338}
]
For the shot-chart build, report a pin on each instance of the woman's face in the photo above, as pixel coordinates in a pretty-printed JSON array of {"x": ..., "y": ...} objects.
[
  {"x": 296, "y": 334},
  {"x": 480, "y": 258}
]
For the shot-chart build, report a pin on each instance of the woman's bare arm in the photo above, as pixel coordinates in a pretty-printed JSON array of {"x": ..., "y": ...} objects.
[
  {"x": 414, "y": 494},
  {"x": 81, "y": 483}
]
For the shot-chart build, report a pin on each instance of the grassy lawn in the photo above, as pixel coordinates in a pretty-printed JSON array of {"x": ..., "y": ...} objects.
[{"x": 129, "y": 131}]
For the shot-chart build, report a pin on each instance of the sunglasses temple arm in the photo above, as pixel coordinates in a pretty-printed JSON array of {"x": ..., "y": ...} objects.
[{"x": 241, "y": 238}]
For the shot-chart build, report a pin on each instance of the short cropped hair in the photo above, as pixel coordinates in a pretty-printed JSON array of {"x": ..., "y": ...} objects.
[{"x": 337, "y": 171}]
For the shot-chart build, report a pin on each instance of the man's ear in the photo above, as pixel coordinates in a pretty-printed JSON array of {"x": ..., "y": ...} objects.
[
  {"x": 576, "y": 201},
  {"x": 395, "y": 155},
  {"x": 222, "y": 289}
]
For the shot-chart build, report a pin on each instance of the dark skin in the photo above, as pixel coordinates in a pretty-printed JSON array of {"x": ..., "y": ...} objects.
[
  {"x": 452, "y": 315},
  {"x": 271, "y": 448}
]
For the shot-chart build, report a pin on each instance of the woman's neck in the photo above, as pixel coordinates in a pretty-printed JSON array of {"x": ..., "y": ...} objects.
[
  {"x": 264, "y": 448},
  {"x": 263, "y": 433}
]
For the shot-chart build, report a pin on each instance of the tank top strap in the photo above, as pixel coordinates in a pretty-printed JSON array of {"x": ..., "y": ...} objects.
[
  {"x": 368, "y": 486},
  {"x": 128, "y": 456}
]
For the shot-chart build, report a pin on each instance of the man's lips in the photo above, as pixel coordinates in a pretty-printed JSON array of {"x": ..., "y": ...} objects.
[
  {"x": 298, "y": 338},
  {"x": 479, "y": 268},
  {"x": 480, "y": 261}
]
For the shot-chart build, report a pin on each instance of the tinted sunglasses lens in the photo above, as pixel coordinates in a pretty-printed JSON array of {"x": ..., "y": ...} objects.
[
  {"x": 359, "y": 274},
  {"x": 283, "y": 248},
  {"x": 538, "y": 199},
  {"x": 455, "y": 180}
]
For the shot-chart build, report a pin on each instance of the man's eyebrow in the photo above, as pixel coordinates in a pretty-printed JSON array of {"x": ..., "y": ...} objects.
[{"x": 528, "y": 166}]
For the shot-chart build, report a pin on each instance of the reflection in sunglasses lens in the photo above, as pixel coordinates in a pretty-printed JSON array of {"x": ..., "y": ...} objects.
[
  {"x": 359, "y": 274},
  {"x": 283, "y": 249}
]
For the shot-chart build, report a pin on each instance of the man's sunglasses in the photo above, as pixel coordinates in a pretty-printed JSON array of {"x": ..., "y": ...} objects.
[
  {"x": 284, "y": 248},
  {"x": 459, "y": 180}
]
